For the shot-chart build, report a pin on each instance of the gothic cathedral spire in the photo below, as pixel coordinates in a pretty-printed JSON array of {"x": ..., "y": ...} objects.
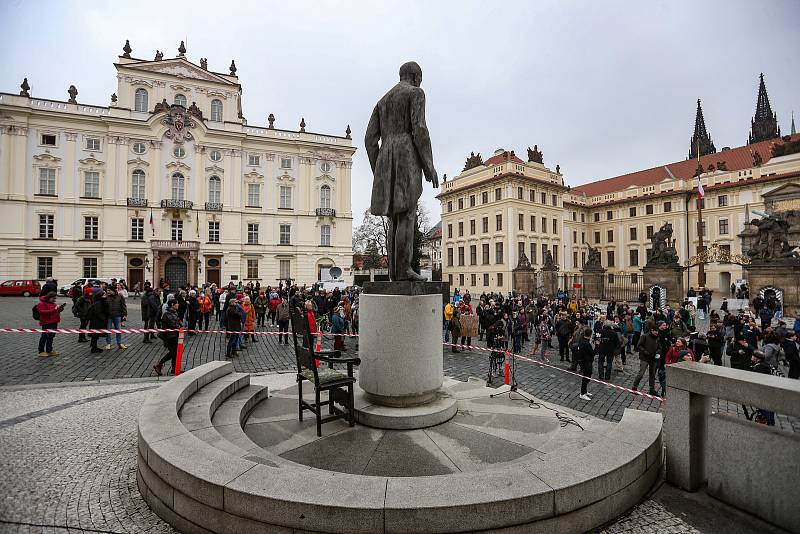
[
  {"x": 765, "y": 123},
  {"x": 701, "y": 141}
]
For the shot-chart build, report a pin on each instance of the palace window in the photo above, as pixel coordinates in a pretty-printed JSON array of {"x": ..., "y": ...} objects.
[
  {"x": 254, "y": 160},
  {"x": 286, "y": 163},
  {"x": 610, "y": 256},
  {"x": 667, "y": 207},
  {"x": 498, "y": 252},
  {"x": 213, "y": 231},
  {"x": 533, "y": 223},
  {"x": 633, "y": 258},
  {"x": 139, "y": 148},
  {"x": 91, "y": 184},
  {"x": 532, "y": 195},
  {"x": 325, "y": 235},
  {"x": 583, "y": 217},
  {"x": 632, "y": 211},
  {"x": 723, "y": 226},
  {"x": 215, "y": 190},
  {"x": 486, "y": 279},
  {"x": 449, "y": 206},
  {"x": 325, "y": 196},
  {"x": 92, "y": 143},
  {"x": 253, "y": 195},
  {"x": 137, "y": 229},
  {"x": 47, "y": 182},
  {"x": 449, "y": 231},
  {"x": 252, "y": 268},
  {"x": 177, "y": 230},
  {"x": 460, "y": 256},
  {"x": 485, "y": 197},
  {"x": 555, "y": 200},
  {"x": 521, "y": 221},
  {"x": 180, "y": 100},
  {"x": 575, "y": 259},
  {"x": 91, "y": 228},
  {"x": 498, "y": 194},
  {"x": 216, "y": 110},
  {"x": 325, "y": 166},
  {"x": 596, "y": 238},
  {"x": 485, "y": 225},
  {"x": 544, "y": 225},
  {"x": 178, "y": 182},
  {"x": 498, "y": 222},
  {"x": 179, "y": 152},
  {"x": 46, "y": 226},
  {"x": 44, "y": 267},
  {"x": 555, "y": 226},
  {"x": 285, "y": 234},
  {"x": 472, "y": 227},
  {"x": 648, "y": 209},
  {"x": 722, "y": 201},
  {"x": 461, "y": 203},
  {"x": 137, "y": 184},
  {"x": 140, "y": 100},
  {"x": 215, "y": 155},
  {"x": 461, "y": 279},
  {"x": 285, "y": 267},
  {"x": 460, "y": 228},
  {"x": 473, "y": 254},
  {"x": 534, "y": 254},
  {"x": 473, "y": 278},
  {"x": 701, "y": 228},
  {"x": 609, "y": 215},
  {"x": 90, "y": 267},
  {"x": 500, "y": 279},
  {"x": 485, "y": 253},
  {"x": 252, "y": 233},
  {"x": 520, "y": 193},
  {"x": 472, "y": 201},
  {"x": 450, "y": 256},
  {"x": 286, "y": 197},
  {"x": 610, "y": 236},
  {"x": 49, "y": 139},
  {"x": 633, "y": 234},
  {"x": 597, "y": 217},
  {"x": 649, "y": 232}
]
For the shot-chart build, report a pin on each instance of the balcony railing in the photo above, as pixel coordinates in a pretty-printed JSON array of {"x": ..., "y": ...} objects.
[
  {"x": 326, "y": 212},
  {"x": 213, "y": 206},
  {"x": 176, "y": 204},
  {"x": 158, "y": 244},
  {"x": 137, "y": 202}
]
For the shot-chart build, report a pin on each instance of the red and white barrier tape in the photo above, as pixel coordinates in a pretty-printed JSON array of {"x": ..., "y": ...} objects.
[{"x": 261, "y": 332}]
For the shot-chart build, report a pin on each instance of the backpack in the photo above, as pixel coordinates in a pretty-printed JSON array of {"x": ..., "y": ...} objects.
[{"x": 35, "y": 312}]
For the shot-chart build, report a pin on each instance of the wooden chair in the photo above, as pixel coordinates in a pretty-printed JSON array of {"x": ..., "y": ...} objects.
[{"x": 338, "y": 385}]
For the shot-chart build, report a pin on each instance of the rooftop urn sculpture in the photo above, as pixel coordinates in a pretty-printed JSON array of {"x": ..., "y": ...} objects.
[
  {"x": 127, "y": 49},
  {"x": 473, "y": 161},
  {"x": 25, "y": 88},
  {"x": 182, "y": 50},
  {"x": 347, "y": 132},
  {"x": 271, "y": 120},
  {"x": 302, "y": 124},
  {"x": 233, "y": 68}
]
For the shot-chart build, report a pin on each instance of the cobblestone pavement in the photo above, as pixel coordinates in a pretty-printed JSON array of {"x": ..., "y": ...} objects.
[
  {"x": 19, "y": 363},
  {"x": 68, "y": 464}
]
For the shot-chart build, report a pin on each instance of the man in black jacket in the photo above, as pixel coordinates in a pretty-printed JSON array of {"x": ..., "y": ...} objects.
[
  {"x": 564, "y": 330},
  {"x": 790, "y": 352},
  {"x": 608, "y": 342},
  {"x": 648, "y": 348},
  {"x": 584, "y": 355},
  {"x": 151, "y": 308},
  {"x": 741, "y": 354},
  {"x": 169, "y": 320}
]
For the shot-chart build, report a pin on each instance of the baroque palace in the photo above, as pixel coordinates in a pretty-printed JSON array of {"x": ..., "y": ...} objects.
[
  {"x": 495, "y": 210},
  {"x": 169, "y": 182}
]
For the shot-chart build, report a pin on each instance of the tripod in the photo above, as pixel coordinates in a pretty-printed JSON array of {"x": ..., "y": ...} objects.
[{"x": 512, "y": 378}]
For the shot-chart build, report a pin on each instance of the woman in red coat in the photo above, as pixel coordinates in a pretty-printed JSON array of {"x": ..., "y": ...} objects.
[{"x": 49, "y": 317}]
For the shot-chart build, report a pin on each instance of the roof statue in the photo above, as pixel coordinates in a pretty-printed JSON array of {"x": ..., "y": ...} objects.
[
  {"x": 25, "y": 88},
  {"x": 159, "y": 55},
  {"x": 535, "y": 155},
  {"x": 72, "y": 92},
  {"x": 161, "y": 106},
  {"x": 765, "y": 122},
  {"x": 701, "y": 141},
  {"x": 558, "y": 169},
  {"x": 771, "y": 244},
  {"x": 399, "y": 149},
  {"x": 347, "y": 132},
  {"x": 473, "y": 161},
  {"x": 195, "y": 111},
  {"x": 113, "y": 98},
  {"x": 233, "y": 68},
  {"x": 204, "y": 63},
  {"x": 182, "y": 50},
  {"x": 663, "y": 251},
  {"x": 127, "y": 49},
  {"x": 757, "y": 159},
  {"x": 302, "y": 124},
  {"x": 593, "y": 261}
]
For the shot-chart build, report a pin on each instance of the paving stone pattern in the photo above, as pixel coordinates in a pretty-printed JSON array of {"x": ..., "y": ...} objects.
[{"x": 20, "y": 364}]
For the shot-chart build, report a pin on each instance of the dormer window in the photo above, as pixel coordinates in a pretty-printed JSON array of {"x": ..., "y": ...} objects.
[
  {"x": 253, "y": 160},
  {"x": 326, "y": 166},
  {"x": 92, "y": 143},
  {"x": 286, "y": 163},
  {"x": 215, "y": 155},
  {"x": 180, "y": 100},
  {"x": 179, "y": 152},
  {"x": 140, "y": 100},
  {"x": 216, "y": 111}
]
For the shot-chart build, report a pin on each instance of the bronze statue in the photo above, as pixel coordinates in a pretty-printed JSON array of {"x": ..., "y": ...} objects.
[
  {"x": 772, "y": 241},
  {"x": 535, "y": 155},
  {"x": 663, "y": 251},
  {"x": 474, "y": 160},
  {"x": 549, "y": 262},
  {"x": 593, "y": 260},
  {"x": 398, "y": 122}
]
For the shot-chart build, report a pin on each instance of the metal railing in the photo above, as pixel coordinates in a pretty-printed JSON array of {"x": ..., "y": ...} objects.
[
  {"x": 176, "y": 204},
  {"x": 326, "y": 212},
  {"x": 137, "y": 202},
  {"x": 213, "y": 206},
  {"x": 161, "y": 244}
]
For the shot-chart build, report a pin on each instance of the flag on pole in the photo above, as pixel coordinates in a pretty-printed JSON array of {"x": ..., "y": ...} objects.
[
  {"x": 197, "y": 224},
  {"x": 700, "y": 191},
  {"x": 152, "y": 223}
]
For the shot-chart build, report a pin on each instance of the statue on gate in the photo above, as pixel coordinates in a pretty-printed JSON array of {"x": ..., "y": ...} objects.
[
  {"x": 404, "y": 154},
  {"x": 593, "y": 259},
  {"x": 772, "y": 241},
  {"x": 663, "y": 251}
]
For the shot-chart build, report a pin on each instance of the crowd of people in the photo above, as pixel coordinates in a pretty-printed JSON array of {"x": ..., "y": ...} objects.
[{"x": 591, "y": 336}]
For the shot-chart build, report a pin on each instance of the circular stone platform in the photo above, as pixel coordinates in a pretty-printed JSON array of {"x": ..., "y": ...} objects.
[{"x": 440, "y": 410}]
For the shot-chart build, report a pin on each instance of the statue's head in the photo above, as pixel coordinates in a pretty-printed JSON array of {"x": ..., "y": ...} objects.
[{"x": 411, "y": 72}]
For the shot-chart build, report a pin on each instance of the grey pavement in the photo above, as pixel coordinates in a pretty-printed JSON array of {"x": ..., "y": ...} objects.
[{"x": 20, "y": 364}]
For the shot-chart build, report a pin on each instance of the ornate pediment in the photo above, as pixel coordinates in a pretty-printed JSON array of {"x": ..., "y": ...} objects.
[
  {"x": 173, "y": 166},
  {"x": 49, "y": 158},
  {"x": 179, "y": 87},
  {"x": 178, "y": 67},
  {"x": 178, "y": 122},
  {"x": 91, "y": 160},
  {"x": 215, "y": 169},
  {"x": 285, "y": 178},
  {"x": 253, "y": 176},
  {"x": 138, "y": 162},
  {"x": 325, "y": 178}
]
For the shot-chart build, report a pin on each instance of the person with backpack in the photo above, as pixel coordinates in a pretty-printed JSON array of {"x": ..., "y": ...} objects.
[
  {"x": 49, "y": 315},
  {"x": 81, "y": 310},
  {"x": 564, "y": 330},
  {"x": 169, "y": 320}
]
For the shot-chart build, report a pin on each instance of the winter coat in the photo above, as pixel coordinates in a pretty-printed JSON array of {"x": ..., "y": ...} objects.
[
  {"x": 455, "y": 326},
  {"x": 648, "y": 347},
  {"x": 282, "y": 311},
  {"x": 204, "y": 304},
  {"x": 233, "y": 319},
  {"x": 609, "y": 342},
  {"x": 584, "y": 353},
  {"x": 274, "y": 303},
  {"x": 792, "y": 356},
  {"x": 98, "y": 314},
  {"x": 193, "y": 307},
  {"x": 261, "y": 304},
  {"x": 116, "y": 305},
  {"x": 153, "y": 304},
  {"x": 740, "y": 356},
  {"x": 674, "y": 354},
  {"x": 564, "y": 328},
  {"x": 49, "y": 312},
  {"x": 145, "y": 306},
  {"x": 678, "y": 330},
  {"x": 771, "y": 351},
  {"x": 250, "y": 316},
  {"x": 170, "y": 320},
  {"x": 81, "y": 307},
  {"x": 338, "y": 325}
]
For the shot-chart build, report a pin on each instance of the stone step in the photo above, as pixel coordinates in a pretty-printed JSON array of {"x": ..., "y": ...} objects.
[{"x": 197, "y": 410}]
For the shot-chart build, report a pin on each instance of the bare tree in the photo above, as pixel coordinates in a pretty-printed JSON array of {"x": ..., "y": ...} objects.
[{"x": 373, "y": 229}]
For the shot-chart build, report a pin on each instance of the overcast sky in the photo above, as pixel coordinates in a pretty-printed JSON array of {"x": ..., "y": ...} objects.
[{"x": 603, "y": 88}]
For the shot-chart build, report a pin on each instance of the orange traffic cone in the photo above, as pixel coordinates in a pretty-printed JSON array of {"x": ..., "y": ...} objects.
[
  {"x": 508, "y": 370},
  {"x": 318, "y": 348}
]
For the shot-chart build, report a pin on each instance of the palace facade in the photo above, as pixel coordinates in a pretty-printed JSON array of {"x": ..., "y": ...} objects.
[
  {"x": 493, "y": 211},
  {"x": 170, "y": 182}
]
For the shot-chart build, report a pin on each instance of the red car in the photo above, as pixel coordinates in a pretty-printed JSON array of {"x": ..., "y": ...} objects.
[{"x": 26, "y": 288}]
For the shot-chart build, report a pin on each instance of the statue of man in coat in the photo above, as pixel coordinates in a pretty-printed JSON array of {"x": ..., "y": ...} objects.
[{"x": 398, "y": 163}]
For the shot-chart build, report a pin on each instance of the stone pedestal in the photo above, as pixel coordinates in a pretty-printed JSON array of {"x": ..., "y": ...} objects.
[
  {"x": 523, "y": 281},
  {"x": 783, "y": 277},
  {"x": 666, "y": 277},
  {"x": 400, "y": 342},
  {"x": 550, "y": 282},
  {"x": 593, "y": 280}
]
